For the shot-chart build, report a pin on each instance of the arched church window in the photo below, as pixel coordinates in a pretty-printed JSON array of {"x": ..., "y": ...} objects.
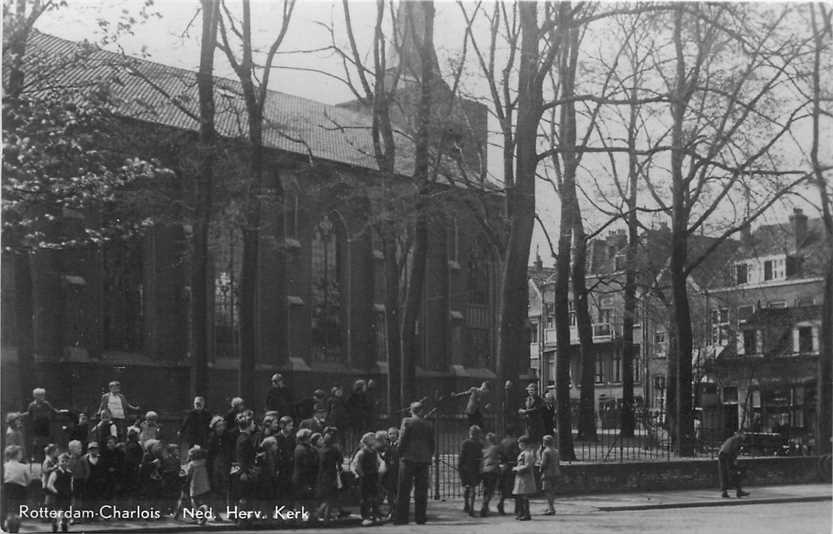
[{"x": 326, "y": 291}]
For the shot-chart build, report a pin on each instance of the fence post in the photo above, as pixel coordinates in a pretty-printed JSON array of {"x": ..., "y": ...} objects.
[{"x": 436, "y": 456}]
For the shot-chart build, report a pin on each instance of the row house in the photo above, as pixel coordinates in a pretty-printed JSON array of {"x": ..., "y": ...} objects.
[
  {"x": 606, "y": 265},
  {"x": 120, "y": 309},
  {"x": 765, "y": 321}
]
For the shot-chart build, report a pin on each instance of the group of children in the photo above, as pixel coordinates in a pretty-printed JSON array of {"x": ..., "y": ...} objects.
[
  {"x": 230, "y": 459},
  {"x": 511, "y": 467}
]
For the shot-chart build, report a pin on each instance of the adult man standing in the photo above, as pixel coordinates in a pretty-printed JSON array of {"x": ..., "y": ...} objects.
[
  {"x": 416, "y": 448},
  {"x": 727, "y": 458},
  {"x": 195, "y": 427},
  {"x": 532, "y": 413},
  {"x": 317, "y": 422},
  {"x": 279, "y": 397}
]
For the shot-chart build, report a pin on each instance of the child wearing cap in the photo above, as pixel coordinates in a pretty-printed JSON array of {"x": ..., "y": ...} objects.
[
  {"x": 524, "y": 479},
  {"x": 550, "y": 471}
]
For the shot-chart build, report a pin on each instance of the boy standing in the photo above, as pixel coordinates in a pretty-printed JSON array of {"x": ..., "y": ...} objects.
[{"x": 468, "y": 465}]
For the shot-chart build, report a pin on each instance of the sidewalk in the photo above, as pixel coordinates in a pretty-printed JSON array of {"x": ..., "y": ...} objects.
[{"x": 450, "y": 512}]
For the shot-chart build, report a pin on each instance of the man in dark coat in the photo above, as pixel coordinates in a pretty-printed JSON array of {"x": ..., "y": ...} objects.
[
  {"x": 317, "y": 422},
  {"x": 727, "y": 465},
  {"x": 357, "y": 406},
  {"x": 531, "y": 412},
  {"x": 416, "y": 449},
  {"x": 246, "y": 450},
  {"x": 548, "y": 413},
  {"x": 286, "y": 454},
  {"x": 279, "y": 397},
  {"x": 195, "y": 427}
]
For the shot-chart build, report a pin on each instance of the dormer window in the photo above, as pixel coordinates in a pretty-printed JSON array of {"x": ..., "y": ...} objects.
[
  {"x": 619, "y": 262},
  {"x": 774, "y": 269}
]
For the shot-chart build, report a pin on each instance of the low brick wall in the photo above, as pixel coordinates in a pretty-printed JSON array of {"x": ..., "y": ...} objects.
[{"x": 682, "y": 475}]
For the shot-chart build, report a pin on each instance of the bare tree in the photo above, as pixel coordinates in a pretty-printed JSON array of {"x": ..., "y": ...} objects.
[
  {"x": 821, "y": 18},
  {"x": 202, "y": 202},
  {"x": 254, "y": 78}
]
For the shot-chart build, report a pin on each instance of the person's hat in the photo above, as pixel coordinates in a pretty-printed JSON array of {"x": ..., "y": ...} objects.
[
  {"x": 532, "y": 385},
  {"x": 93, "y": 445},
  {"x": 416, "y": 406},
  {"x": 319, "y": 408},
  {"x": 276, "y": 377},
  {"x": 195, "y": 450},
  {"x": 214, "y": 420},
  {"x": 319, "y": 393}
]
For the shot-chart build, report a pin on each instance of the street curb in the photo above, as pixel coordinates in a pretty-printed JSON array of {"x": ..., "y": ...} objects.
[{"x": 711, "y": 504}]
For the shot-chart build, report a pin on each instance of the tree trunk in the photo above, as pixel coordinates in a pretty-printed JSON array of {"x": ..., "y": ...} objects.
[
  {"x": 413, "y": 299},
  {"x": 392, "y": 331},
  {"x": 587, "y": 403},
  {"x": 24, "y": 322},
  {"x": 520, "y": 199},
  {"x": 824, "y": 406},
  {"x": 629, "y": 317},
  {"x": 202, "y": 202}
]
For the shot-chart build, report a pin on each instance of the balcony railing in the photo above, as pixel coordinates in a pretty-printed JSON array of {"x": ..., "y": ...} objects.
[{"x": 601, "y": 332}]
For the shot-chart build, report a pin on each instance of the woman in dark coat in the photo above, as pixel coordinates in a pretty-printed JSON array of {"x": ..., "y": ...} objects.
[
  {"x": 330, "y": 460},
  {"x": 305, "y": 467}
]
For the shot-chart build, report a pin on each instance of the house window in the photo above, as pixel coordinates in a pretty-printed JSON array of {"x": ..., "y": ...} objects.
[
  {"x": 777, "y": 304},
  {"x": 617, "y": 368},
  {"x": 572, "y": 313},
  {"x": 326, "y": 291},
  {"x": 619, "y": 262},
  {"x": 741, "y": 273},
  {"x": 636, "y": 367},
  {"x": 604, "y": 315},
  {"x": 720, "y": 326},
  {"x": 476, "y": 347},
  {"x": 805, "y": 301},
  {"x": 659, "y": 382},
  {"x": 659, "y": 338},
  {"x": 805, "y": 339},
  {"x": 768, "y": 270},
  {"x": 749, "y": 343},
  {"x": 745, "y": 312},
  {"x": 600, "y": 377}
]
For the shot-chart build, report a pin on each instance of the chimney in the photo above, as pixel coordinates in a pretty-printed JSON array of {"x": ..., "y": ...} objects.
[
  {"x": 598, "y": 255},
  {"x": 539, "y": 263},
  {"x": 798, "y": 222},
  {"x": 746, "y": 233}
]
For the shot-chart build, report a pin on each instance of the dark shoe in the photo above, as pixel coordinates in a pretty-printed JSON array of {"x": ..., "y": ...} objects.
[
  {"x": 500, "y": 509},
  {"x": 549, "y": 512},
  {"x": 484, "y": 512},
  {"x": 742, "y": 494},
  {"x": 524, "y": 518},
  {"x": 64, "y": 527},
  {"x": 725, "y": 495}
]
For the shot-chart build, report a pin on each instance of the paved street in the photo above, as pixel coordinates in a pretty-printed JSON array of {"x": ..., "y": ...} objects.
[{"x": 796, "y": 509}]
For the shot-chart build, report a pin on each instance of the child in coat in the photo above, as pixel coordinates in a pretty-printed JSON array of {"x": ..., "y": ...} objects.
[
  {"x": 149, "y": 428},
  {"x": 196, "y": 478},
  {"x": 550, "y": 471},
  {"x": 490, "y": 471},
  {"x": 329, "y": 466},
  {"x": 80, "y": 470},
  {"x": 468, "y": 465},
  {"x": 524, "y": 479}
]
